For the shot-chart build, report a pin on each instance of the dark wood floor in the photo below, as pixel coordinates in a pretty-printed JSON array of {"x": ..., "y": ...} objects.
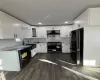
[{"x": 40, "y": 69}]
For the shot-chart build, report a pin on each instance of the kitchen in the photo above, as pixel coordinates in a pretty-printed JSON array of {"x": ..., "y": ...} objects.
[
  {"x": 39, "y": 37},
  {"x": 50, "y": 51}
]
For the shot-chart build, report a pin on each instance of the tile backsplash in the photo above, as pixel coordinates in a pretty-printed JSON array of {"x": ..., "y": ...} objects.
[
  {"x": 65, "y": 40},
  {"x": 34, "y": 40},
  {"x": 53, "y": 38}
]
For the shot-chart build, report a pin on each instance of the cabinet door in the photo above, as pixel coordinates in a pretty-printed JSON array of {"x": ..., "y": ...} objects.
[
  {"x": 7, "y": 33},
  {"x": 44, "y": 47},
  {"x": 39, "y": 48},
  {"x": 12, "y": 28},
  {"x": 65, "y": 48},
  {"x": 41, "y": 32},
  {"x": 18, "y": 32},
  {"x": 27, "y": 32},
  {"x": 34, "y": 32},
  {"x": 8, "y": 24},
  {"x": 65, "y": 31}
]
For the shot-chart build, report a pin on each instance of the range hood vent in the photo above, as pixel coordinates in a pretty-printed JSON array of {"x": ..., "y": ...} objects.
[{"x": 53, "y": 32}]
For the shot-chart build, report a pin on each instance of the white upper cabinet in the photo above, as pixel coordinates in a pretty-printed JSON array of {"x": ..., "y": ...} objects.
[
  {"x": 65, "y": 31},
  {"x": 41, "y": 32},
  {"x": 44, "y": 47},
  {"x": 6, "y": 26},
  {"x": 94, "y": 16},
  {"x": 91, "y": 17},
  {"x": 26, "y": 31},
  {"x": 53, "y": 28},
  {"x": 17, "y": 32},
  {"x": 34, "y": 31},
  {"x": 11, "y": 27}
]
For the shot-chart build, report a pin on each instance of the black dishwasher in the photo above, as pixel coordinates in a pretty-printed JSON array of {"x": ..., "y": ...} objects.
[{"x": 24, "y": 56}]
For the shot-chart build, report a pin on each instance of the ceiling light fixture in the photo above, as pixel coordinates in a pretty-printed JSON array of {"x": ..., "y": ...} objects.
[
  {"x": 77, "y": 22},
  {"x": 39, "y": 23},
  {"x": 16, "y": 25},
  {"x": 66, "y": 22}
]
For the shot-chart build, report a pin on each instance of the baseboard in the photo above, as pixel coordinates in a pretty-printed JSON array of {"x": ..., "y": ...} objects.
[
  {"x": 41, "y": 53},
  {"x": 66, "y": 53}
]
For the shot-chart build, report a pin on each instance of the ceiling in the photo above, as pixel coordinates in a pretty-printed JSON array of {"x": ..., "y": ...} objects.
[{"x": 48, "y": 12}]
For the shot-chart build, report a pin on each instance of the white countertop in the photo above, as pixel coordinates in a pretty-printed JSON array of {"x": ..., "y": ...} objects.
[{"x": 17, "y": 47}]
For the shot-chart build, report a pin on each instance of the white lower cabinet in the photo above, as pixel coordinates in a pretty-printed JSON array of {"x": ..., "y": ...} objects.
[
  {"x": 42, "y": 47},
  {"x": 39, "y": 50},
  {"x": 65, "y": 48},
  {"x": 33, "y": 52}
]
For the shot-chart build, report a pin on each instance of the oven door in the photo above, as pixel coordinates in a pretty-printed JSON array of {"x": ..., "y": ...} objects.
[
  {"x": 54, "y": 47},
  {"x": 24, "y": 56}
]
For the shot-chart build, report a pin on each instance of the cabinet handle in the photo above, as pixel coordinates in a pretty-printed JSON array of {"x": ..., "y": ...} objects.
[{"x": 14, "y": 35}]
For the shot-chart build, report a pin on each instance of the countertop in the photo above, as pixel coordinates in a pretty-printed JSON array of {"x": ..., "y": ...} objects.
[{"x": 17, "y": 47}]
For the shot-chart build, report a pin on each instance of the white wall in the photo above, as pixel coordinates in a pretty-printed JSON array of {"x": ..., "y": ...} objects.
[
  {"x": 8, "y": 42},
  {"x": 92, "y": 44}
]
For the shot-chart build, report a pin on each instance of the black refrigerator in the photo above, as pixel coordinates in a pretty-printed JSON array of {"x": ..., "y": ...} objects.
[{"x": 76, "y": 46}]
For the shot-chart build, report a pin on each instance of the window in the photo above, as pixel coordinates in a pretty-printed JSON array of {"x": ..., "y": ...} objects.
[{"x": 33, "y": 32}]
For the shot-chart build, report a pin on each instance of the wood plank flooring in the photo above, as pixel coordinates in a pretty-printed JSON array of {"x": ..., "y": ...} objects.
[{"x": 49, "y": 67}]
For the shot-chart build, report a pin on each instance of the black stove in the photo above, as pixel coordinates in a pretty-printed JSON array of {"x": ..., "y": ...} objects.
[{"x": 54, "y": 47}]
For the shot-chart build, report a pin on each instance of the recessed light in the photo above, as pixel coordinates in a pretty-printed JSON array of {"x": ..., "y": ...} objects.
[
  {"x": 77, "y": 22},
  {"x": 16, "y": 25},
  {"x": 66, "y": 22},
  {"x": 39, "y": 23}
]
